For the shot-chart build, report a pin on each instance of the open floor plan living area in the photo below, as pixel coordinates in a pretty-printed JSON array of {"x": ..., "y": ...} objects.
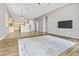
[{"x": 39, "y": 29}]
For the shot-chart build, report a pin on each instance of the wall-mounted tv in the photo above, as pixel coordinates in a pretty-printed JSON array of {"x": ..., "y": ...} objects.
[{"x": 65, "y": 24}]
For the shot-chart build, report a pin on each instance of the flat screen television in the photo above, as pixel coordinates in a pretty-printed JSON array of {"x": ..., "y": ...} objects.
[{"x": 65, "y": 24}]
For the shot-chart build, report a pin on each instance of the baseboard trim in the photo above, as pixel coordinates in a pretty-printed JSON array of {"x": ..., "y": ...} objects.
[
  {"x": 3, "y": 37},
  {"x": 69, "y": 36}
]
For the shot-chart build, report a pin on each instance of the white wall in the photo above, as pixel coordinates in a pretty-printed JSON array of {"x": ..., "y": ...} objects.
[
  {"x": 3, "y": 29},
  {"x": 40, "y": 24},
  {"x": 68, "y": 12}
]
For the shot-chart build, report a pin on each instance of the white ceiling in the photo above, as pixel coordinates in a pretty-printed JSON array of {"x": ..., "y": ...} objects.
[{"x": 31, "y": 10}]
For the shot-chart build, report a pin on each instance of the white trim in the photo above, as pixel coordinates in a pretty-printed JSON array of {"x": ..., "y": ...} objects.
[
  {"x": 3, "y": 37},
  {"x": 65, "y": 35}
]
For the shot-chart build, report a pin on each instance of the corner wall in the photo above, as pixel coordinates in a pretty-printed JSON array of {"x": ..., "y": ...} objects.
[
  {"x": 3, "y": 29},
  {"x": 68, "y": 12}
]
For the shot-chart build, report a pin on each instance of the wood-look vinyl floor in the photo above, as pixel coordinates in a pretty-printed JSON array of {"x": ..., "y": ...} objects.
[{"x": 9, "y": 45}]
